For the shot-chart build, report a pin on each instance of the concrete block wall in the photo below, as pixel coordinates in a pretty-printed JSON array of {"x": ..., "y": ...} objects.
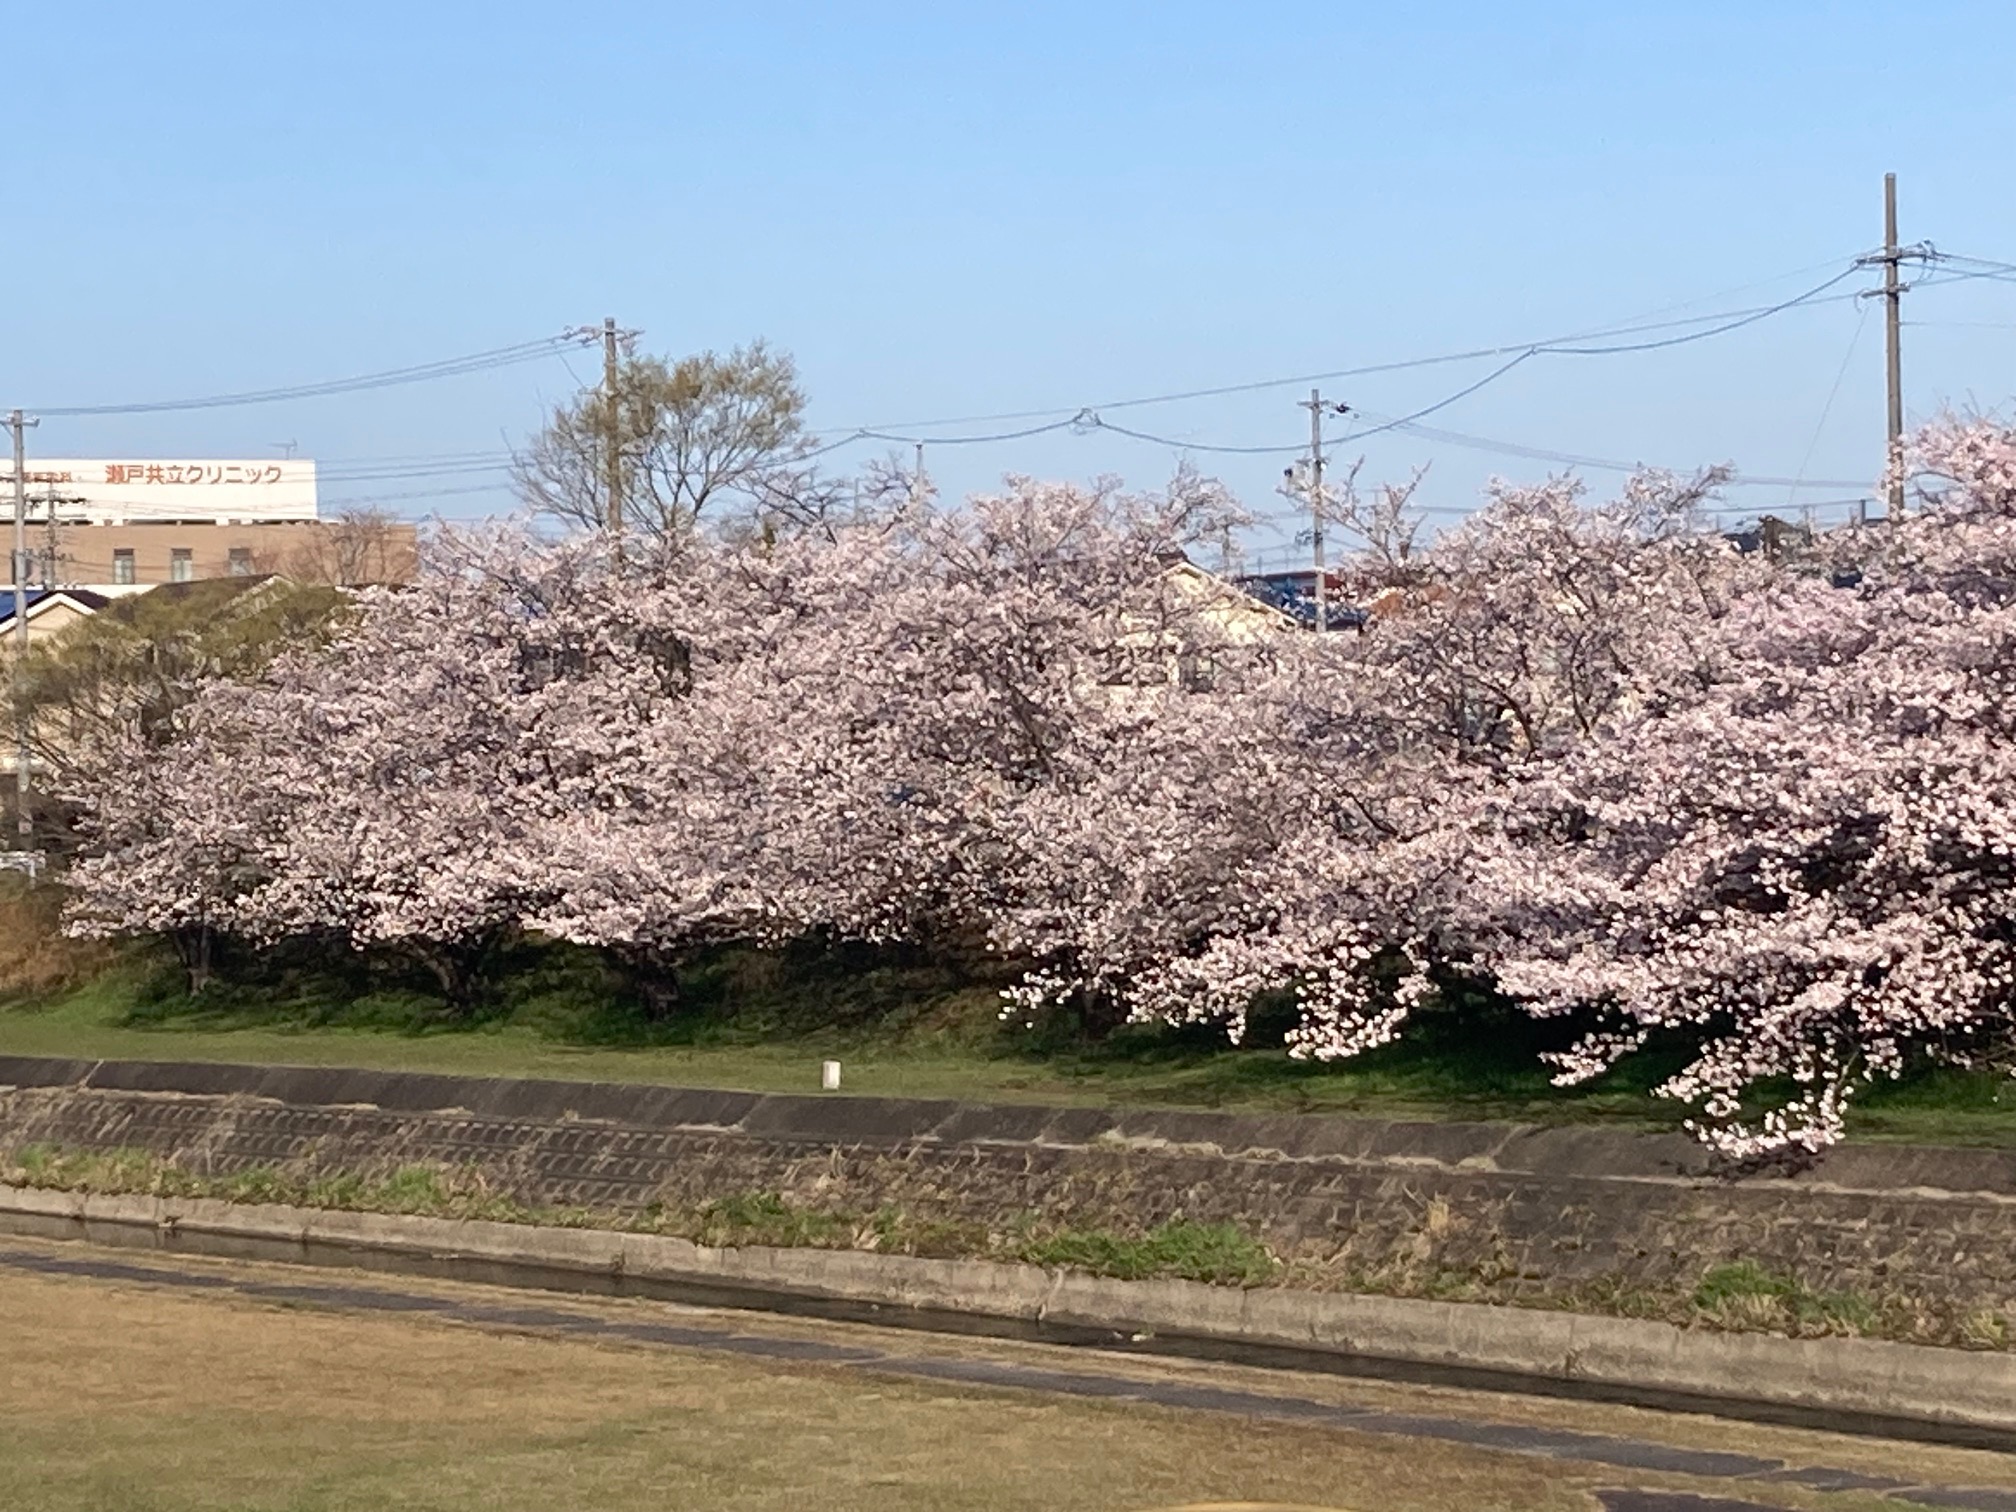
[{"x": 1532, "y": 1213}]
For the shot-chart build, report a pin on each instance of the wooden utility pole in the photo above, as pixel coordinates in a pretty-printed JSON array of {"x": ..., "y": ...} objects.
[
  {"x": 613, "y": 444},
  {"x": 1314, "y": 404},
  {"x": 50, "y": 539},
  {"x": 24, "y": 820},
  {"x": 1893, "y": 357}
]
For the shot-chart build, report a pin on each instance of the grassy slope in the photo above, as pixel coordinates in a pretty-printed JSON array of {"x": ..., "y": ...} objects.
[
  {"x": 764, "y": 1022},
  {"x": 768, "y": 1031}
]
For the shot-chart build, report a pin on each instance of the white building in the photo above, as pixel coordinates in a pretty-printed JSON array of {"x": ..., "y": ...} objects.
[{"x": 211, "y": 492}]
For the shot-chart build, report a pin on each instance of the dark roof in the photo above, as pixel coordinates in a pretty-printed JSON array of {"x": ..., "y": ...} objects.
[
  {"x": 204, "y": 593},
  {"x": 82, "y": 597},
  {"x": 1294, "y": 594}
]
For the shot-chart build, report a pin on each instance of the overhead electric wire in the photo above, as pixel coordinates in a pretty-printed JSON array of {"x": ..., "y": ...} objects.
[
  {"x": 1600, "y": 464},
  {"x": 1440, "y": 404},
  {"x": 1089, "y": 417},
  {"x": 1473, "y": 354},
  {"x": 452, "y": 367},
  {"x": 1763, "y": 313},
  {"x": 1940, "y": 255},
  {"x": 1827, "y": 409},
  {"x": 1749, "y": 318},
  {"x": 1095, "y": 423},
  {"x": 386, "y": 474},
  {"x": 418, "y": 493},
  {"x": 880, "y": 433}
]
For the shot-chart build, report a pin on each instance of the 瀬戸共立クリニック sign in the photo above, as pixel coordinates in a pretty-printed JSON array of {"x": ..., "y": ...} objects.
[{"x": 136, "y": 490}]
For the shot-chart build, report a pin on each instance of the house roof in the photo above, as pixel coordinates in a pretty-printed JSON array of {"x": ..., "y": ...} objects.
[
  {"x": 1231, "y": 592},
  {"x": 201, "y": 593},
  {"x": 39, "y": 599}
]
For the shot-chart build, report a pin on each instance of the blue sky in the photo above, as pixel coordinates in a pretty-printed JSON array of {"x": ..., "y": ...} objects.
[{"x": 947, "y": 211}]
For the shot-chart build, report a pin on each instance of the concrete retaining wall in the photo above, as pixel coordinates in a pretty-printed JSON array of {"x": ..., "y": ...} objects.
[
  {"x": 1973, "y": 1396},
  {"x": 1499, "y": 1211}
]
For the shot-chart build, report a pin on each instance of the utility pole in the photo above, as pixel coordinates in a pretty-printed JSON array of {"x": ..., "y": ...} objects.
[
  {"x": 1892, "y": 259},
  {"x": 917, "y": 478},
  {"x": 49, "y": 537},
  {"x": 1315, "y": 407},
  {"x": 1893, "y": 356},
  {"x": 23, "y": 811},
  {"x": 613, "y": 447}
]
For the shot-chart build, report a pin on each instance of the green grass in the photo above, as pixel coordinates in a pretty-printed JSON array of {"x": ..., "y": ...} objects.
[
  {"x": 1745, "y": 1293},
  {"x": 763, "y": 1022},
  {"x": 1220, "y": 1253},
  {"x": 757, "y": 1026}
]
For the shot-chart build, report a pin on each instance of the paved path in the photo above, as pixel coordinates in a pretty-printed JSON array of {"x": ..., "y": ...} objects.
[{"x": 1622, "y": 1453}]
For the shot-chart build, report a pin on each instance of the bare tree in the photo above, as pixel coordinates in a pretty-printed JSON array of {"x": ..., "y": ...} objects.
[
  {"x": 360, "y": 545},
  {"x": 711, "y": 435}
]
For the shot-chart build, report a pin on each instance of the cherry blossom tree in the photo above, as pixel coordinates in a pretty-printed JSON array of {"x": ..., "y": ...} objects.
[
  {"x": 1294, "y": 832},
  {"x": 869, "y": 705},
  {"x": 1803, "y": 853},
  {"x": 377, "y": 790},
  {"x": 171, "y": 844},
  {"x": 1644, "y": 783}
]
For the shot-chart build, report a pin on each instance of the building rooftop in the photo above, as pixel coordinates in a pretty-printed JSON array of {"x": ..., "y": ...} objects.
[{"x": 82, "y": 598}]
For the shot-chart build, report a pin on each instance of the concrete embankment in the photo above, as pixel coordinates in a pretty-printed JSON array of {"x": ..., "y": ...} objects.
[
  {"x": 1497, "y": 1211},
  {"x": 1550, "y": 1219},
  {"x": 1844, "y": 1383}
]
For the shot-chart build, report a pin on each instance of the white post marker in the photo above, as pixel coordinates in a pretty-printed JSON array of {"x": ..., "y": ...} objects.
[{"x": 829, "y": 1075}]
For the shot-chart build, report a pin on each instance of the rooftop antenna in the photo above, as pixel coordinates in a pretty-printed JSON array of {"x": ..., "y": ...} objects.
[{"x": 284, "y": 446}]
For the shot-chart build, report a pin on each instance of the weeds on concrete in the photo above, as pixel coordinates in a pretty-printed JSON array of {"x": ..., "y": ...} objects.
[
  {"x": 1742, "y": 1296},
  {"x": 1217, "y": 1253},
  {"x": 1745, "y": 1295}
]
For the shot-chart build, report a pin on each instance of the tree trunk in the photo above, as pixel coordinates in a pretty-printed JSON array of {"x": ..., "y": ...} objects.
[
  {"x": 195, "y": 947},
  {"x": 461, "y": 968},
  {"x": 1099, "y": 1014},
  {"x": 653, "y": 975}
]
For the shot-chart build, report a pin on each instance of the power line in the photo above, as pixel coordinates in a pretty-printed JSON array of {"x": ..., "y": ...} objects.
[
  {"x": 1442, "y": 404},
  {"x": 452, "y": 367},
  {"x": 1597, "y": 464},
  {"x": 1081, "y": 420},
  {"x": 382, "y": 474},
  {"x": 1089, "y": 417},
  {"x": 1751, "y": 317},
  {"x": 1722, "y": 322},
  {"x": 1734, "y": 317},
  {"x": 866, "y": 433},
  {"x": 1061, "y": 417},
  {"x": 418, "y": 493},
  {"x": 1983, "y": 262},
  {"x": 1827, "y": 409},
  {"x": 1095, "y": 423}
]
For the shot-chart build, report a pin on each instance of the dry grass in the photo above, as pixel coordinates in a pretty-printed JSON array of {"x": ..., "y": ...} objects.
[
  {"x": 113, "y": 1357},
  {"x": 35, "y": 958},
  {"x": 121, "y": 1396},
  {"x": 148, "y": 1402}
]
